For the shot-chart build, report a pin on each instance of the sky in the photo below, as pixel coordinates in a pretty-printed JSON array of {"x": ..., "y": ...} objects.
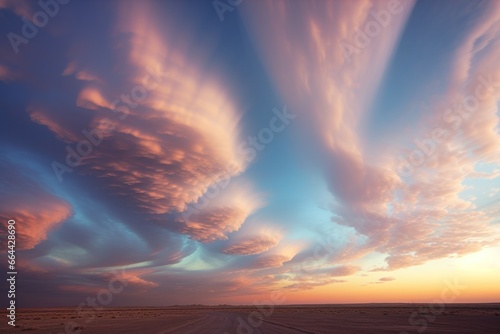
[{"x": 224, "y": 152}]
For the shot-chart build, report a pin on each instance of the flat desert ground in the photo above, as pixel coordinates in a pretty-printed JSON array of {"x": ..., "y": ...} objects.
[{"x": 362, "y": 318}]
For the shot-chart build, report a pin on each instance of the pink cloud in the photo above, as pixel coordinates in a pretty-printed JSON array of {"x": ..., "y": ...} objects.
[
  {"x": 213, "y": 217},
  {"x": 212, "y": 224},
  {"x": 58, "y": 129},
  {"x": 270, "y": 261},
  {"x": 162, "y": 134},
  {"x": 252, "y": 245},
  {"x": 412, "y": 221},
  {"x": 35, "y": 210}
]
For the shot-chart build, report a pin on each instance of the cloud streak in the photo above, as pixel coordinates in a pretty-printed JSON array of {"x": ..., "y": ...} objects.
[{"x": 410, "y": 221}]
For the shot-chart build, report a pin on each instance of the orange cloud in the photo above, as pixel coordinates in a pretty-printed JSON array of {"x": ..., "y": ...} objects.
[
  {"x": 270, "y": 261},
  {"x": 35, "y": 210},
  {"x": 386, "y": 279},
  {"x": 252, "y": 245},
  {"x": 310, "y": 279},
  {"x": 214, "y": 217},
  {"x": 212, "y": 224},
  {"x": 164, "y": 133},
  {"x": 58, "y": 129}
]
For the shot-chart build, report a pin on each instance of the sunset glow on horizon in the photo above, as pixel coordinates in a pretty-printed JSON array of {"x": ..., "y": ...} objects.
[{"x": 304, "y": 151}]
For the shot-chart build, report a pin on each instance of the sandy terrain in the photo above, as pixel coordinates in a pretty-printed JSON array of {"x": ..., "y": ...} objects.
[{"x": 368, "y": 318}]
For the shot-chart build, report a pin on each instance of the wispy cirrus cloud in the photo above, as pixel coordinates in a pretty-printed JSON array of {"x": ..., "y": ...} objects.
[
  {"x": 322, "y": 276},
  {"x": 410, "y": 221}
]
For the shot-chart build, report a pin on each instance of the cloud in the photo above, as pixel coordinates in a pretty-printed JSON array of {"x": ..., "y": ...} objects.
[
  {"x": 309, "y": 279},
  {"x": 162, "y": 135},
  {"x": 252, "y": 245},
  {"x": 58, "y": 129},
  {"x": 220, "y": 212},
  {"x": 22, "y": 9},
  {"x": 212, "y": 224},
  {"x": 345, "y": 270},
  {"x": 383, "y": 280},
  {"x": 35, "y": 210},
  {"x": 411, "y": 220},
  {"x": 162, "y": 132},
  {"x": 386, "y": 279},
  {"x": 96, "y": 283},
  {"x": 270, "y": 261},
  {"x": 309, "y": 285},
  {"x": 432, "y": 210}
]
